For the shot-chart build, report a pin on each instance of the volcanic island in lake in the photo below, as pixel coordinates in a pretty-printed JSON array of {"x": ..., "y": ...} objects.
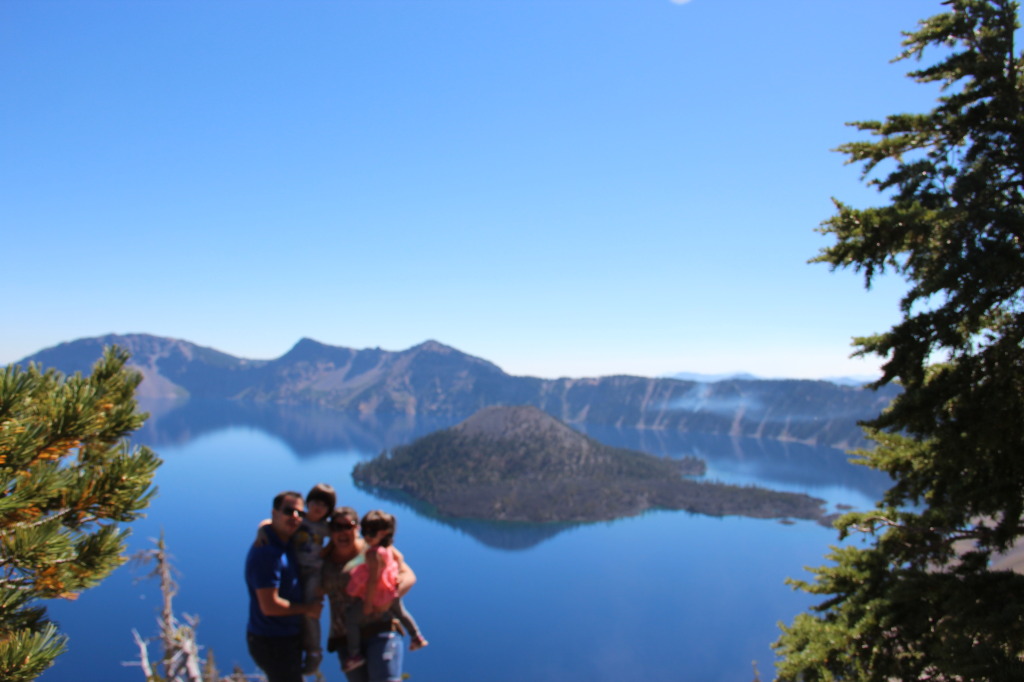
[{"x": 521, "y": 464}]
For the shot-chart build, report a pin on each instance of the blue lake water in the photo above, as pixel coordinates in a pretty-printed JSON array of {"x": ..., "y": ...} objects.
[{"x": 662, "y": 596}]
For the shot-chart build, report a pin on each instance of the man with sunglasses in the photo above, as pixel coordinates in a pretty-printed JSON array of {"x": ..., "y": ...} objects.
[{"x": 274, "y": 632}]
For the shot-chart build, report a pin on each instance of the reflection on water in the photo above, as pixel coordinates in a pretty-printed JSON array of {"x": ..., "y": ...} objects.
[
  {"x": 771, "y": 463},
  {"x": 497, "y": 534},
  {"x": 309, "y": 432}
]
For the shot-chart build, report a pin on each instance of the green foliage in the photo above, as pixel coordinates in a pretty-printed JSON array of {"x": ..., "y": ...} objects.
[
  {"x": 67, "y": 480},
  {"x": 918, "y": 601}
]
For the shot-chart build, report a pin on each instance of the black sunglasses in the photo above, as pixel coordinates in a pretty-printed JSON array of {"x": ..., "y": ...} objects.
[
  {"x": 292, "y": 511},
  {"x": 341, "y": 525}
]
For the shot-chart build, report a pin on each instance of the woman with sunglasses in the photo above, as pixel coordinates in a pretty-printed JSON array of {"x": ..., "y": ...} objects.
[{"x": 380, "y": 635}]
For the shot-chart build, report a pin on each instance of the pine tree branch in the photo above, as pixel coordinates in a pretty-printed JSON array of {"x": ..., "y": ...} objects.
[
  {"x": 49, "y": 562},
  {"x": 42, "y": 520}
]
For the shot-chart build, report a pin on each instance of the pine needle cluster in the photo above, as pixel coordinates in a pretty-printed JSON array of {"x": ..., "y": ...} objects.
[{"x": 68, "y": 481}]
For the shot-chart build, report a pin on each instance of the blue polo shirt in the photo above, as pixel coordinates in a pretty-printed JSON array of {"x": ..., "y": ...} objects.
[{"x": 272, "y": 565}]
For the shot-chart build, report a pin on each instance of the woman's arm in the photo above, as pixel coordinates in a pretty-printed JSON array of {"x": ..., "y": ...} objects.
[
  {"x": 261, "y": 538},
  {"x": 406, "y": 577}
]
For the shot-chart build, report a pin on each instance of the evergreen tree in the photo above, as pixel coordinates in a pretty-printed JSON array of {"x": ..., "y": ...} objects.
[
  {"x": 917, "y": 600},
  {"x": 67, "y": 482}
]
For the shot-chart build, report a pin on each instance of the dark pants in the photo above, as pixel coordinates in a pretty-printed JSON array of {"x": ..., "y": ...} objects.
[{"x": 279, "y": 657}]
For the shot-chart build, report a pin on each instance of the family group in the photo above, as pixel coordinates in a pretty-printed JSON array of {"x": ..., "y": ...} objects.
[{"x": 310, "y": 549}]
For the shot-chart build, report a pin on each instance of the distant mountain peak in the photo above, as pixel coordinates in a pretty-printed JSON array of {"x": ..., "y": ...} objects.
[
  {"x": 305, "y": 346},
  {"x": 434, "y": 346}
]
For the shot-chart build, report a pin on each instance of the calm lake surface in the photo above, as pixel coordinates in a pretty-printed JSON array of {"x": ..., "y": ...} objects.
[{"x": 663, "y": 596}]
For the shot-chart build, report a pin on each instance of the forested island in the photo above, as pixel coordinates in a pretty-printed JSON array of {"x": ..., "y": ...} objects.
[{"x": 521, "y": 464}]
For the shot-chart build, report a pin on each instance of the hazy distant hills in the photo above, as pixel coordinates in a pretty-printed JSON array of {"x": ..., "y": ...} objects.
[
  {"x": 434, "y": 380},
  {"x": 706, "y": 378}
]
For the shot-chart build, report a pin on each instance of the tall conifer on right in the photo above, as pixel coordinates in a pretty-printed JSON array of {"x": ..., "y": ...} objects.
[{"x": 918, "y": 600}]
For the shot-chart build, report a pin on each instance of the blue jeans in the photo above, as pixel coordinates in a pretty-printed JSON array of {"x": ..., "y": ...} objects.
[{"x": 383, "y": 654}]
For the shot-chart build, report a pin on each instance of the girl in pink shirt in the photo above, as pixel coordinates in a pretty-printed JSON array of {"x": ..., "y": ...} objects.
[{"x": 373, "y": 581}]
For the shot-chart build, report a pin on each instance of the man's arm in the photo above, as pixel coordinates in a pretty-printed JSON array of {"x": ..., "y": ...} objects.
[{"x": 273, "y": 604}]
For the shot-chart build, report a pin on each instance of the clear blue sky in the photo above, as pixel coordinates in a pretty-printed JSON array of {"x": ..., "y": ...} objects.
[{"x": 565, "y": 188}]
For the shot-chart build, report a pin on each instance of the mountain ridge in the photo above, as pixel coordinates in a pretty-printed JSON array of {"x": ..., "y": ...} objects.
[{"x": 433, "y": 379}]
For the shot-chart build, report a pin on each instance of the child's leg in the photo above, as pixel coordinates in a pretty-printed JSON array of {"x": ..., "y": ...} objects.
[
  {"x": 311, "y": 626},
  {"x": 406, "y": 619},
  {"x": 353, "y": 619}
]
